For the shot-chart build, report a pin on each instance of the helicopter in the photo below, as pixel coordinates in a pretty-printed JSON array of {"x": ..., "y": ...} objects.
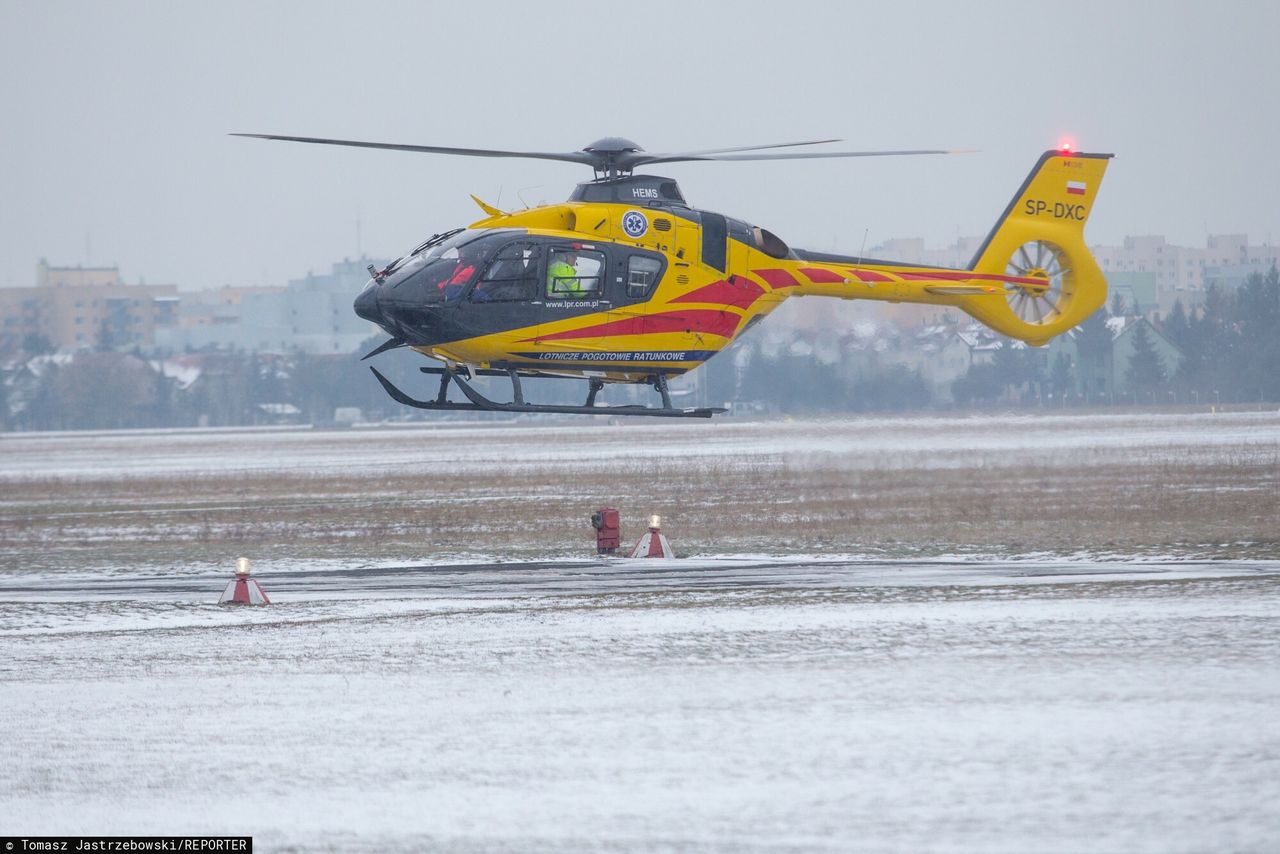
[{"x": 625, "y": 282}]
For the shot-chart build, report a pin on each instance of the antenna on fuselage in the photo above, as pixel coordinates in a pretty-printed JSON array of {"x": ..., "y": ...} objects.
[
  {"x": 520, "y": 194},
  {"x": 862, "y": 248}
]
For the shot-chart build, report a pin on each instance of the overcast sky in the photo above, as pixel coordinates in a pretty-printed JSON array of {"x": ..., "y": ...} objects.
[{"x": 116, "y": 115}]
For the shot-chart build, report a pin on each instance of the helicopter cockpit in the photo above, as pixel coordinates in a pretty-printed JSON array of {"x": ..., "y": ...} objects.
[
  {"x": 459, "y": 281},
  {"x": 407, "y": 291},
  {"x": 440, "y": 268}
]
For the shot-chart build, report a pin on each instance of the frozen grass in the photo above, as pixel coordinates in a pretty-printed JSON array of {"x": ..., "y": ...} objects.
[
  {"x": 1181, "y": 485},
  {"x": 699, "y": 705},
  {"x": 1134, "y": 716}
]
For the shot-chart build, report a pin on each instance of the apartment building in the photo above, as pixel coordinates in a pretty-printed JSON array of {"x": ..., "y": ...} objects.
[{"x": 84, "y": 307}]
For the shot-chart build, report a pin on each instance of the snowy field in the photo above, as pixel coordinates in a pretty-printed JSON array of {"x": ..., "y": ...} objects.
[
  {"x": 477, "y": 448},
  {"x": 1118, "y": 694},
  {"x": 1190, "y": 485},
  {"x": 744, "y": 705}
]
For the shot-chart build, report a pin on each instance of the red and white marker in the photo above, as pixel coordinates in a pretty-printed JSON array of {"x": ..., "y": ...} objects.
[
  {"x": 243, "y": 590},
  {"x": 653, "y": 544}
]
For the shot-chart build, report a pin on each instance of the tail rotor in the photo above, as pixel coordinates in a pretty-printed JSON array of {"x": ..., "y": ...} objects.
[{"x": 1045, "y": 301}]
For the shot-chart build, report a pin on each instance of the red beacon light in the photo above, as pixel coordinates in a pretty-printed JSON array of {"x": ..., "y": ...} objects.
[{"x": 1066, "y": 146}]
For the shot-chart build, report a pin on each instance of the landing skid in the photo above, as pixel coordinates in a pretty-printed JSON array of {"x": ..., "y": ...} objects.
[{"x": 480, "y": 403}]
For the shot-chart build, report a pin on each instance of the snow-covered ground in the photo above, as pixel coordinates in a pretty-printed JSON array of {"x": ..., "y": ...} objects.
[
  {"x": 1084, "y": 700},
  {"x": 1007, "y": 440},
  {"x": 739, "y": 705}
]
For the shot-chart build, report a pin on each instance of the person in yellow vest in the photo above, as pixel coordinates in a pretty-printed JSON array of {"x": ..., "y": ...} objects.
[{"x": 562, "y": 275}]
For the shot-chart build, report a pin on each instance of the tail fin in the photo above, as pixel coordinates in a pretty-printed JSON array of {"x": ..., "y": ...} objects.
[{"x": 1038, "y": 248}]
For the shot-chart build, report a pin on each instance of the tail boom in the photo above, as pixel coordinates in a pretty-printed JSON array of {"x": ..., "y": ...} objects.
[{"x": 1033, "y": 277}]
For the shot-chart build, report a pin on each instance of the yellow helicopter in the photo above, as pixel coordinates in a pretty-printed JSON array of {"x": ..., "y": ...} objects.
[{"x": 626, "y": 283}]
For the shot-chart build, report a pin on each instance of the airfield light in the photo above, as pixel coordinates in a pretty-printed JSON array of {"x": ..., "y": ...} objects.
[
  {"x": 1066, "y": 146},
  {"x": 655, "y": 521},
  {"x": 243, "y": 590}
]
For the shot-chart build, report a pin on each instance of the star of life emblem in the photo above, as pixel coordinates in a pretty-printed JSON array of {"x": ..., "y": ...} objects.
[{"x": 634, "y": 223}]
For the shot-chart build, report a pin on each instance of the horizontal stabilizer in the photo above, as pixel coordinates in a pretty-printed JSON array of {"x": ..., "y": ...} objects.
[
  {"x": 487, "y": 208},
  {"x": 960, "y": 290}
]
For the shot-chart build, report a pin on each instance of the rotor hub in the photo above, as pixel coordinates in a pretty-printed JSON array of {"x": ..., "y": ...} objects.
[
  {"x": 1038, "y": 287},
  {"x": 612, "y": 145}
]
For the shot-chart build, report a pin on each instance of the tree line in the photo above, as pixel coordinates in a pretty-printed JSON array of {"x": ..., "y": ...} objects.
[
  {"x": 1230, "y": 345},
  {"x": 114, "y": 390},
  {"x": 1230, "y": 354}
]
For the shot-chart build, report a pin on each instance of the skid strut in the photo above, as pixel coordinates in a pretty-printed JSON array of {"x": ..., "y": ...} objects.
[{"x": 476, "y": 402}]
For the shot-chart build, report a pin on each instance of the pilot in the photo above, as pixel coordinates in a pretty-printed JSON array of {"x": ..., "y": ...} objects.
[
  {"x": 562, "y": 275},
  {"x": 452, "y": 287}
]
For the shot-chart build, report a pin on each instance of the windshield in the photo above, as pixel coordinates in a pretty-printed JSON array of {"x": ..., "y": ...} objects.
[
  {"x": 428, "y": 249},
  {"x": 440, "y": 269}
]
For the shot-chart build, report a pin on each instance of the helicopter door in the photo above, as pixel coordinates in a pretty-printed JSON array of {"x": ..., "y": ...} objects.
[
  {"x": 506, "y": 296},
  {"x": 634, "y": 274}
]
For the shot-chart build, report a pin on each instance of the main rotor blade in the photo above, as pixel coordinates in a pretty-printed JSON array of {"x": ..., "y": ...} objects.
[
  {"x": 566, "y": 156},
  {"x": 740, "y": 148},
  {"x": 798, "y": 155}
]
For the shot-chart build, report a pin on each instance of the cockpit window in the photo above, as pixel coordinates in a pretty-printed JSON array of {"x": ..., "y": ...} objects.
[
  {"x": 512, "y": 276},
  {"x": 574, "y": 273},
  {"x": 433, "y": 240},
  {"x": 643, "y": 272},
  {"x": 443, "y": 276},
  {"x": 442, "y": 270},
  {"x": 437, "y": 238}
]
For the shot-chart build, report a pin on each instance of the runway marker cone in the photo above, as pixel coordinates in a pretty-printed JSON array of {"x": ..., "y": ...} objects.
[
  {"x": 243, "y": 590},
  {"x": 652, "y": 543}
]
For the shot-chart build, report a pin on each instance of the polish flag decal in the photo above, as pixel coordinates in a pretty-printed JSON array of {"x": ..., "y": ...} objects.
[{"x": 1076, "y": 188}]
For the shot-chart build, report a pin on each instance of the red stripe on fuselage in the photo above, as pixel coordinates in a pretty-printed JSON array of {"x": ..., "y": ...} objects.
[
  {"x": 821, "y": 276},
  {"x": 722, "y": 323},
  {"x": 777, "y": 278},
  {"x": 737, "y": 292},
  {"x": 947, "y": 276},
  {"x": 966, "y": 275},
  {"x": 870, "y": 276}
]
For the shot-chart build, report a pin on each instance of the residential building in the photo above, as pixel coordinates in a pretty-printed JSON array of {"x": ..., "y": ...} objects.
[
  {"x": 1138, "y": 291},
  {"x": 85, "y": 307},
  {"x": 312, "y": 314},
  {"x": 216, "y": 307},
  {"x": 1181, "y": 272}
]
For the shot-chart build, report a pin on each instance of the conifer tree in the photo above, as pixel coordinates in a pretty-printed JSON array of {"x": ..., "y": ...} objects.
[
  {"x": 1093, "y": 343},
  {"x": 1146, "y": 371},
  {"x": 1175, "y": 326},
  {"x": 1061, "y": 374}
]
